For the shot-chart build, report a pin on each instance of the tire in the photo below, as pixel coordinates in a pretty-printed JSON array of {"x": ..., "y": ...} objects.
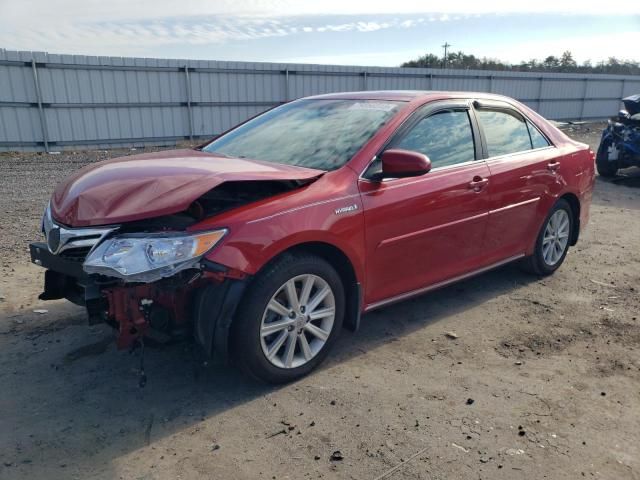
[
  {"x": 251, "y": 344},
  {"x": 606, "y": 168},
  {"x": 543, "y": 261}
]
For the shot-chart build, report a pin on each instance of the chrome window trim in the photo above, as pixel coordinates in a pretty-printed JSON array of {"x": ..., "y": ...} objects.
[
  {"x": 448, "y": 167},
  {"x": 423, "y": 177},
  {"x": 521, "y": 152}
]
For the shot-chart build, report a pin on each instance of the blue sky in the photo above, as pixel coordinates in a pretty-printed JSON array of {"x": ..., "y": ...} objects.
[{"x": 341, "y": 32}]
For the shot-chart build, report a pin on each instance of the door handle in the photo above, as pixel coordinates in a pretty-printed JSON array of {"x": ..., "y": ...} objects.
[
  {"x": 553, "y": 166},
  {"x": 478, "y": 183}
]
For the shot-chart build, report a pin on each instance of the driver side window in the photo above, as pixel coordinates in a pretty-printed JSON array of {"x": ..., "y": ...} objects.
[{"x": 445, "y": 137}]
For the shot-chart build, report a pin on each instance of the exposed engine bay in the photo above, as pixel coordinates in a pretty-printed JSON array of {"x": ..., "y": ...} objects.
[{"x": 222, "y": 198}]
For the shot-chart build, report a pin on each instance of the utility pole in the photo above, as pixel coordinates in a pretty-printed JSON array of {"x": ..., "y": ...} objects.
[{"x": 446, "y": 48}]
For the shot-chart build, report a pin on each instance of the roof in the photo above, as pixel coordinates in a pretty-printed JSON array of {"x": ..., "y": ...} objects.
[{"x": 404, "y": 95}]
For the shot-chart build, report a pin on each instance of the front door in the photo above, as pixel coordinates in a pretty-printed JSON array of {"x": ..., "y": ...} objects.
[{"x": 427, "y": 229}]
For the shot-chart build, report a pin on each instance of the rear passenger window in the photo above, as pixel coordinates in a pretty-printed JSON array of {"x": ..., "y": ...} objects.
[
  {"x": 537, "y": 139},
  {"x": 445, "y": 137},
  {"x": 504, "y": 132}
]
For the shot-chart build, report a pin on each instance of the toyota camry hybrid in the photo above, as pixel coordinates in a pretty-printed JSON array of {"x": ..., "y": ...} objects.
[{"x": 265, "y": 242}]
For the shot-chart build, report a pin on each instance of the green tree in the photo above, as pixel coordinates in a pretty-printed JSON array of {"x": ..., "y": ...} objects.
[
  {"x": 551, "y": 63},
  {"x": 564, "y": 63},
  {"x": 567, "y": 63},
  {"x": 426, "y": 61}
]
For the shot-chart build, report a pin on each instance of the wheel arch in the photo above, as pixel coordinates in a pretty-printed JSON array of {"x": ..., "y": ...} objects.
[
  {"x": 339, "y": 260},
  {"x": 213, "y": 332},
  {"x": 574, "y": 203}
]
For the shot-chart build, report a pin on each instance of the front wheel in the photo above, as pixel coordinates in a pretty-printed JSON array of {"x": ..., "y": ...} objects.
[
  {"x": 553, "y": 241},
  {"x": 289, "y": 319}
]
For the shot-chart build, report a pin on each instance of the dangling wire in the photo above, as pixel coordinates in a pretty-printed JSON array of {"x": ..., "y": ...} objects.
[{"x": 142, "y": 380}]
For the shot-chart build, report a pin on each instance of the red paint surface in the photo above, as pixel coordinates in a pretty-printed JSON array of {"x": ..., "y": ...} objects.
[
  {"x": 404, "y": 234},
  {"x": 404, "y": 163},
  {"x": 154, "y": 184}
]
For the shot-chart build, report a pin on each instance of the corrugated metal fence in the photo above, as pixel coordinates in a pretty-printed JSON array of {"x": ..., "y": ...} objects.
[{"x": 56, "y": 102}]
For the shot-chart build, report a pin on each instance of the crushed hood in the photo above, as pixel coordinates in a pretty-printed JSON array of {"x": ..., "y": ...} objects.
[{"x": 154, "y": 184}]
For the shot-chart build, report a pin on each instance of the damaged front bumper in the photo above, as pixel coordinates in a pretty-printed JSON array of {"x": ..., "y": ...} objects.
[{"x": 200, "y": 301}]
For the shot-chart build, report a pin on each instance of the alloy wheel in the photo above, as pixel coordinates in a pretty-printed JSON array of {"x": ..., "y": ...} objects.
[
  {"x": 297, "y": 321},
  {"x": 556, "y": 237}
]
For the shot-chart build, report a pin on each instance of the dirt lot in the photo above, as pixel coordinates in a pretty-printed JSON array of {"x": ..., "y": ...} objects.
[{"x": 543, "y": 380}]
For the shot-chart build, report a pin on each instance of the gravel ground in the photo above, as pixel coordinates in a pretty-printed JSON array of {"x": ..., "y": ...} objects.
[{"x": 542, "y": 381}]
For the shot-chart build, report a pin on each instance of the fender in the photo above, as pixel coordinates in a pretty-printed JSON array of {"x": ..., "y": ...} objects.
[
  {"x": 315, "y": 214},
  {"x": 236, "y": 255}
]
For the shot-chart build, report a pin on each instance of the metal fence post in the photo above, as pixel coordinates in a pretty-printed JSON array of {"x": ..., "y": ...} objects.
[
  {"x": 189, "y": 112},
  {"x": 430, "y": 81},
  {"x": 490, "y": 83},
  {"x": 286, "y": 84},
  {"x": 540, "y": 93},
  {"x": 43, "y": 120},
  {"x": 584, "y": 97},
  {"x": 364, "y": 80}
]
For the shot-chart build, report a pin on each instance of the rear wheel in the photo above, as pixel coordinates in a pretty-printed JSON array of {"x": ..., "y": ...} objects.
[
  {"x": 553, "y": 241},
  {"x": 606, "y": 167},
  {"x": 291, "y": 317}
]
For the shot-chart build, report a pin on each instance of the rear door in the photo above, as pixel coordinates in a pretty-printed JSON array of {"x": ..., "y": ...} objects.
[
  {"x": 423, "y": 230},
  {"x": 524, "y": 169}
]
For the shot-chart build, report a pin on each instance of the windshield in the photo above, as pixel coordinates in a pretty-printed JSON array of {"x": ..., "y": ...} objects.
[{"x": 321, "y": 134}]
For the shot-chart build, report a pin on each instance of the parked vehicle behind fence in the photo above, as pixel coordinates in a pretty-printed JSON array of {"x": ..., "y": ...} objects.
[{"x": 263, "y": 243}]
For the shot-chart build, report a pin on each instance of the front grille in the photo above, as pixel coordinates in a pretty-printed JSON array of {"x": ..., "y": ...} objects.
[
  {"x": 78, "y": 254},
  {"x": 73, "y": 244}
]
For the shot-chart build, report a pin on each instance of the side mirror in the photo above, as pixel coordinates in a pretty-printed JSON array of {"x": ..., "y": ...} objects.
[{"x": 398, "y": 163}]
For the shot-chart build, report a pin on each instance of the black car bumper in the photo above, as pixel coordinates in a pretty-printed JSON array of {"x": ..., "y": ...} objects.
[
  {"x": 63, "y": 278},
  {"x": 40, "y": 255}
]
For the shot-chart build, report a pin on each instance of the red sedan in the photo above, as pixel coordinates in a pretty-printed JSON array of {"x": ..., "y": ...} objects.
[{"x": 264, "y": 242}]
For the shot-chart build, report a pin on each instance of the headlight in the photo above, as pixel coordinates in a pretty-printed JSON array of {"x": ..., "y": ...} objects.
[{"x": 150, "y": 257}]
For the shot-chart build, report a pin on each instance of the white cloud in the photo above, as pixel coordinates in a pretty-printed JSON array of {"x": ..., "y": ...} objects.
[
  {"x": 126, "y": 27},
  {"x": 104, "y": 37},
  {"x": 117, "y": 10}
]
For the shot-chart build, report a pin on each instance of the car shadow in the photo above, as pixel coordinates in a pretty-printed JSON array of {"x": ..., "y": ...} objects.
[
  {"x": 85, "y": 395},
  {"x": 629, "y": 177},
  {"x": 403, "y": 318},
  {"x": 618, "y": 192}
]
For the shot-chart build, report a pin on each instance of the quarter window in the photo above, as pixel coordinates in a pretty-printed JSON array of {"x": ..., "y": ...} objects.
[
  {"x": 445, "y": 137},
  {"x": 537, "y": 139},
  {"x": 505, "y": 132}
]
